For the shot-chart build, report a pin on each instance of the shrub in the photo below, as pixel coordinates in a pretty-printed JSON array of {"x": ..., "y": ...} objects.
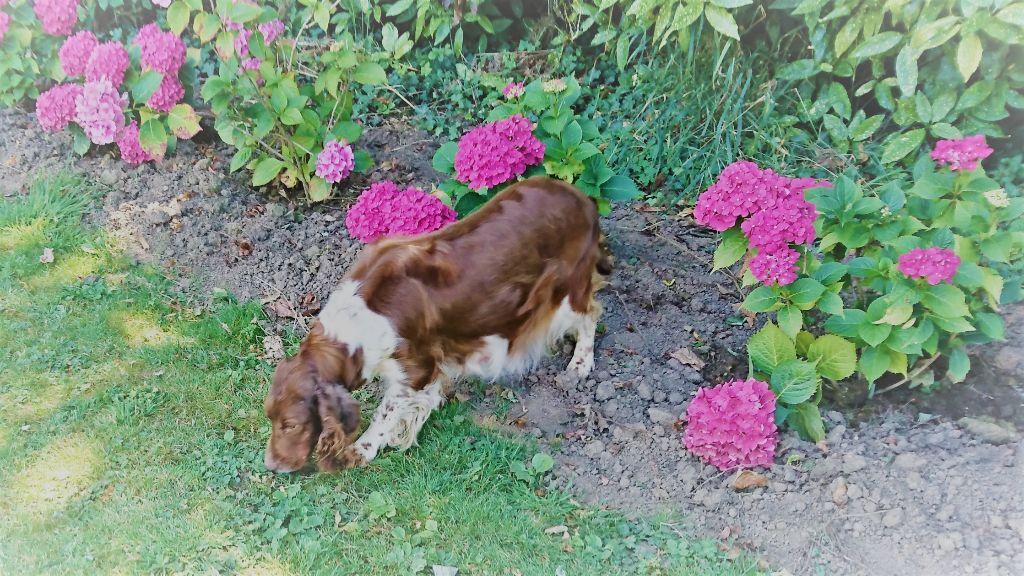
[
  {"x": 559, "y": 142},
  {"x": 27, "y": 53},
  {"x": 903, "y": 274}
]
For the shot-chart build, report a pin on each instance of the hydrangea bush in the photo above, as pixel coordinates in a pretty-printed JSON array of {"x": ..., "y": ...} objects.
[
  {"x": 385, "y": 210},
  {"x": 534, "y": 131},
  {"x": 901, "y": 276}
]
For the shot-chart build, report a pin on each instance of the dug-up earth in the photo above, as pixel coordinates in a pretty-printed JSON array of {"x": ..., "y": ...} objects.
[{"x": 909, "y": 485}]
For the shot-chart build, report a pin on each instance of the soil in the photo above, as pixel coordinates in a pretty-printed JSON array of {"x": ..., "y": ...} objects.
[{"x": 906, "y": 484}]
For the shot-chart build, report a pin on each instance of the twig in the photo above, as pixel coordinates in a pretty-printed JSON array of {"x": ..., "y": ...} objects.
[
  {"x": 394, "y": 91},
  {"x": 913, "y": 374},
  {"x": 291, "y": 56}
]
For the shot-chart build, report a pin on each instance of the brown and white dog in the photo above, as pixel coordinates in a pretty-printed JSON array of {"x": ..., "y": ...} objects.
[{"x": 484, "y": 297}]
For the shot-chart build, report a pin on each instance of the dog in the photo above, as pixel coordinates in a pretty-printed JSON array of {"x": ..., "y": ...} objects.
[{"x": 484, "y": 297}]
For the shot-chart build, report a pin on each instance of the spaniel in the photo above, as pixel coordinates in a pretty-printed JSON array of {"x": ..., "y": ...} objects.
[{"x": 485, "y": 297}]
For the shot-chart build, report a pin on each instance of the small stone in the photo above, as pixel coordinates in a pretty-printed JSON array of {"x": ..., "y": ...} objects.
[
  {"x": 854, "y": 491},
  {"x": 594, "y": 448},
  {"x": 661, "y": 417},
  {"x": 660, "y": 396},
  {"x": 644, "y": 390},
  {"x": 676, "y": 398},
  {"x": 909, "y": 461},
  {"x": 108, "y": 177},
  {"x": 840, "y": 491},
  {"x": 835, "y": 435},
  {"x": 892, "y": 518},
  {"x": 945, "y": 543},
  {"x": 990, "y": 430},
  {"x": 853, "y": 463},
  {"x": 605, "y": 390}
]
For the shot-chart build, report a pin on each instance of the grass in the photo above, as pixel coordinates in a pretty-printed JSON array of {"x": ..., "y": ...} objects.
[{"x": 131, "y": 439}]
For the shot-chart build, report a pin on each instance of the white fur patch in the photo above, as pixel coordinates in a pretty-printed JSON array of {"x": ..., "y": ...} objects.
[
  {"x": 399, "y": 418},
  {"x": 347, "y": 319}
]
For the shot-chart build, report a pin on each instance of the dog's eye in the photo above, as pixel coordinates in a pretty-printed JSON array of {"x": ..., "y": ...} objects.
[{"x": 288, "y": 426}]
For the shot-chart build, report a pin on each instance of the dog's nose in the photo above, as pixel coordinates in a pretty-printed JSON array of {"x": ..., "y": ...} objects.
[{"x": 273, "y": 466}]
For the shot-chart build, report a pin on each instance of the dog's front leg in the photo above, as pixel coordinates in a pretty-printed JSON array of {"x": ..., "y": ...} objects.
[{"x": 397, "y": 421}]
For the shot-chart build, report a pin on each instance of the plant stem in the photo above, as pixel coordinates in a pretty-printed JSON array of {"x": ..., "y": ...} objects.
[{"x": 913, "y": 374}]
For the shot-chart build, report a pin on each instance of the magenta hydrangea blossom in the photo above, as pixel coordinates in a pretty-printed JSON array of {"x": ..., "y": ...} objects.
[
  {"x": 934, "y": 264},
  {"x": 251, "y": 64},
  {"x": 335, "y": 162},
  {"x": 778, "y": 267},
  {"x": 741, "y": 190},
  {"x": 55, "y": 108},
  {"x": 131, "y": 148},
  {"x": 513, "y": 90},
  {"x": 159, "y": 50},
  {"x": 497, "y": 152},
  {"x": 961, "y": 154},
  {"x": 385, "y": 210},
  {"x": 271, "y": 30},
  {"x": 108, "y": 60},
  {"x": 733, "y": 425},
  {"x": 99, "y": 110},
  {"x": 74, "y": 53},
  {"x": 242, "y": 42},
  {"x": 790, "y": 220},
  {"x": 58, "y": 17},
  {"x": 5, "y": 23},
  {"x": 169, "y": 93}
]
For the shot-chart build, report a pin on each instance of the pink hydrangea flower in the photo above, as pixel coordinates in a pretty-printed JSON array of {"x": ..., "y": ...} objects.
[
  {"x": 934, "y": 264},
  {"x": 99, "y": 110},
  {"x": 55, "y": 108},
  {"x": 169, "y": 93},
  {"x": 271, "y": 30},
  {"x": 962, "y": 154},
  {"x": 777, "y": 267},
  {"x": 58, "y": 17},
  {"x": 733, "y": 425},
  {"x": 74, "y": 53},
  {"x": 251, "y": 64},
  {"x": 242, "y": 42},
  {"x": 131, "y": 148},
  {"x": 162, "y": 3},
  {"x": 108, "y": 60},
  {"x": 5, "y": 23},
  {"x": 159, "y": 50},
  {"x": 497, "y": 152},
  {"x": 384, "y": 210},
  {"x": 741, "y": 190},
  {"x": 335, "y": 162},
  {"x": 513, "y": 90},
  {"x": 789, "y": 220}
]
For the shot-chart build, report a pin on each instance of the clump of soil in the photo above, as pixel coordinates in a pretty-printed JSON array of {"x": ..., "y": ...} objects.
[{"x": 912, "y": 487}]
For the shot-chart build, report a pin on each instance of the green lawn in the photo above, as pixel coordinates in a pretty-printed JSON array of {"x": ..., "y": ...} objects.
[{"x": 132, "y": 435}]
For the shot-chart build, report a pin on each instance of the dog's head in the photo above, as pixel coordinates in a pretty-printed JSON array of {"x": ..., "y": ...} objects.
[{"x": 309, "y": 405}]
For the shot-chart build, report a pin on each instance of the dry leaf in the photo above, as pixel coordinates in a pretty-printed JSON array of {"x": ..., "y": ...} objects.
[
  {"x": 563, "y": 530},
  {"x": 273, "y": 347},
  {"x": 47, "y": 256},
  {"x": 688, "y": 357},
  {"x": 444, "y": 570},
  {"x": 839, "y": 493},
  {"x": 244, "y": 247},
  {"x": 107, "y": 492},
  {"x": 283, "y": 308},
  {"x": 255, "y": 210},
  {"x": 747, "y": 479}
]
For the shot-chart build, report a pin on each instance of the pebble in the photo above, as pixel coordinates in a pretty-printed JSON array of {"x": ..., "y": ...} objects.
[
  {"x": 892, "y": 518},
  {"x": 605, "y": 390},
  {"x": 993, "y": 432},
  {"x": 839, "y": 491},
  {"x": 660, "y": 396},
  {"x": 909, "y": 461},
  {"x": 644, "y": 390},
  {"x": 594, "y": 448},
  {"x": 853, "y": 463},
  {"x": 661, "y": 417}
]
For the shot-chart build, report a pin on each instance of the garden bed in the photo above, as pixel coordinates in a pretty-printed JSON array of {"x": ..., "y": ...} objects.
[{"x": 943, "y": 496}]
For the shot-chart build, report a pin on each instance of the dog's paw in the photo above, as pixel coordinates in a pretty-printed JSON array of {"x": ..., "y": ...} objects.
[{"x": 353, "y": 457}]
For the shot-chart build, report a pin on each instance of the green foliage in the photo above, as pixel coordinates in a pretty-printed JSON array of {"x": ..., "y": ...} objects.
[
  {"x": 28, "y": 56},
  {"x": 570, "y": 148},
  {"x": 482, "y": 21},
  {"x": 899, "y": 73}
]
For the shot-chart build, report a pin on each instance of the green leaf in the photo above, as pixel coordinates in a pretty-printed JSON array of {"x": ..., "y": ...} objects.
[
  {"x": 542, "y": 463},
  {"x": 82, "y": 143},
  {"x": 835, "y": 357},
  {"x": 945, "y": 300},
  {"x": 347, "y": 130},
  {"x": 319, "y": 189},
  {"x": 721, "y": 20},
  {"x": 991, "y": 325},
  {"x": 1012, "y": 14},
  {"x": 906, "y": 70},
  {"x": 622, "y": 51},
  {"x": 956, "y": 325},
  {"x": 240, "y": 159},
  {"x": 444, "y": 158},
  {"x": 732, "y": 3},
  {"x": 183, "y": 121},
  {"x": 146, "y": 86},
  {"x": 790, "y": 320},
  {"x": 798, "y": 70},
  {"x": 291, "y": 117},
  {"x": 178, "y": 15},
  {"x": 873, "y": 363},
  {"x": 847, "y": 35},
  {"x": 806, "y": 418},
  {"x": 266, "y": 170},
  {"x": 968, "y": 55},
  {"x": 959, "y": 365},
  {"x": 900, "y": 145},
  {"x": 873, "y": 334},
  {"x": 805, "y": 292},
  {"x": 848, "y": 324},
  {"x": 733, "y": 246},
  {"x": 620, "y": 189},
  {"x": 877, "y": 44},
  {"x": 867, "y": 128},
  {"x": 794, "y": 381},
  {"x": 398, "y": 7},
  {"x": 760, "y": 299},
  {"x": 242, "y": 12},
  {"x": 803, "y": 342},
  {"x": 153, "y": 137},
  {"x": 206, "y": 26},
  {"x": 769, "y": 348},
  {"x": 369, "y": 73},
  {"x": 830, "y": 303},
  {"x": 998, "y": 247},
  {"x": 572, "y": 135},
  {"x": 322, "y": 15}
]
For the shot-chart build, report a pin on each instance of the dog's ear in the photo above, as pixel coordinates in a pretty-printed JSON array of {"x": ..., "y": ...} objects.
[{"x": 339, "y": 421}]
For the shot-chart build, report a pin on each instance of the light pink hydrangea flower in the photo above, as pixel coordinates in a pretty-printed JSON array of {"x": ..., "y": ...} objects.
[
  {"x": 962, "y": 154},
  {"x": 934, "y": 264},
  {"x": 242, "y": 42},
  {"x": 159, "y": 50},
  {"x": 162, "y": 3},
  {"x": 513, "y": 90},
  {"x": 778, "y": 267},
  {"x": 169, "y": 93},
  {"x": 74, "y": 53},
  {"x": 271, "y": 30},
  {"x": 733, "y": 425},
  {"x": 99, "y": 110},
  {"x": 131, "y": 148},
  {"x": 497, "y": 152},
  {"x": 55, "y": 108},
  {"x": 335, "y": 162},
  {"x": 58, "y": 17},
  {"x": 384, "y": 210},
  {"x": 109, "y": 61},
  {"x": 5, "y": 23}
]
